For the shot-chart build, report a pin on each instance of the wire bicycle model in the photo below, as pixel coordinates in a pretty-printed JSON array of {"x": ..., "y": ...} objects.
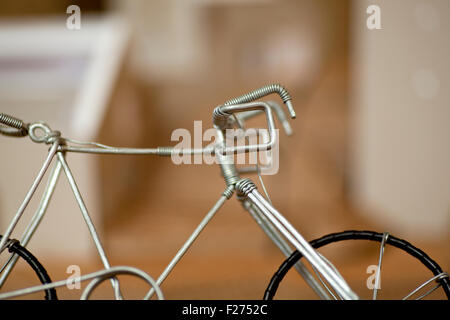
[{"x": 327, "y": 282}]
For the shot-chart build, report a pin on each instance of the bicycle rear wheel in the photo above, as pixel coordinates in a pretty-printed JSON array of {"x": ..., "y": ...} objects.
[
  {"x": 33, "y": 262},
  {"x": 401, "y": 244}
]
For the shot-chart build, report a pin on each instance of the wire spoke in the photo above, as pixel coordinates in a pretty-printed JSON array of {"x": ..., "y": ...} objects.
[
  {"x": 262, "y": 183},
  {"x": 324, "y": 284},
  {"x": 322, "y": 281},
  {"x": 440, "y": 276},
  {"x": 428, "y": 292},
  {"x": 380, "y": 259}
]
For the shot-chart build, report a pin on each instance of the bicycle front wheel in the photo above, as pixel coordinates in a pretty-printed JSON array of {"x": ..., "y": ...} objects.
[{"x": 440, "y": 277}]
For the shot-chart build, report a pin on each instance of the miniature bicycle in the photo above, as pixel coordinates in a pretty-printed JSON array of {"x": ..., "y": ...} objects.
[{"x": 327, "y": 282}]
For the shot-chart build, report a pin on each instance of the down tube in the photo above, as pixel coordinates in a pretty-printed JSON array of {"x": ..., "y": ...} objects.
[
  {"x": 35, "y": 221},
  {"x": 29, "y": 194}
]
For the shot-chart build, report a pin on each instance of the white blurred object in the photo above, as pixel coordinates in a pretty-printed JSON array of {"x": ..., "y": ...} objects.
[
  {"x": 65, "y": 78},
  {"x": 402, "y": 116}
]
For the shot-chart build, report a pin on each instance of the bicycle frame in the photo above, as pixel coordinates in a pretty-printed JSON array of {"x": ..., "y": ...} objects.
[{"x": 272, "y": 222}]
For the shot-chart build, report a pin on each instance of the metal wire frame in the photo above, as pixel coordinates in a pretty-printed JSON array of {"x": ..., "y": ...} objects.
[
  {"x": 35, "y": 221},
  {"x": 59, "y": 147},
  {"x": 270, "y": 220},
  {"x": 283, "y": 246},
  {"x": 61, "y": 164},
  {"x": 248, "y": 189}
]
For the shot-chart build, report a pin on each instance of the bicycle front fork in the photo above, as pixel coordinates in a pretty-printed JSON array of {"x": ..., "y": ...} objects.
[{"x": 247, "y": 190}]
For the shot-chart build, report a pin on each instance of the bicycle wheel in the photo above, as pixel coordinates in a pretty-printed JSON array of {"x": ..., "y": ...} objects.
[
  {"x": 403, "y": 245},
  {"x": 33, "y": 262}
]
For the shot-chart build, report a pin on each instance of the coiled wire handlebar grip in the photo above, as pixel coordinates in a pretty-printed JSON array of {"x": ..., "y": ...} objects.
[
  {"x": 264, "y": 91},
  {"x": 14, "y": 127}
]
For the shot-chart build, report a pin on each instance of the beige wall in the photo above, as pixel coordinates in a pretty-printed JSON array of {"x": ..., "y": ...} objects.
[{"x": 401, "y": 151}]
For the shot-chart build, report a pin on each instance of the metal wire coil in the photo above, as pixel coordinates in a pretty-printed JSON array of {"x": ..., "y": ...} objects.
[
  {"x": 228, "y": 192},
  {"x": 261, "y": 92},
  {"x": 245, "y": 186},
  {"x": 229, "y": 173},
  {"x": 221, "y": 118},
  {"x": 165, "y": 151},
  {"x": 11, "y": 121},
  {"x": 11, "y": 126}
]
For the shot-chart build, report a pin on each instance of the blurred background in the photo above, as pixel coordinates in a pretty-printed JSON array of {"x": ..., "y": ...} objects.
[{"x": 370, "y": 147}]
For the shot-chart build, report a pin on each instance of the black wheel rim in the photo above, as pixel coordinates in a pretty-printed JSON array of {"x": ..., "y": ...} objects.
[{"x": 356, "y": 235}]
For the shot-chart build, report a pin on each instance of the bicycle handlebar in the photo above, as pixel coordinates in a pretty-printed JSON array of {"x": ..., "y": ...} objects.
[
  {"x": 279, "y": 112},
  {"x": 224, "y": 116}
]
